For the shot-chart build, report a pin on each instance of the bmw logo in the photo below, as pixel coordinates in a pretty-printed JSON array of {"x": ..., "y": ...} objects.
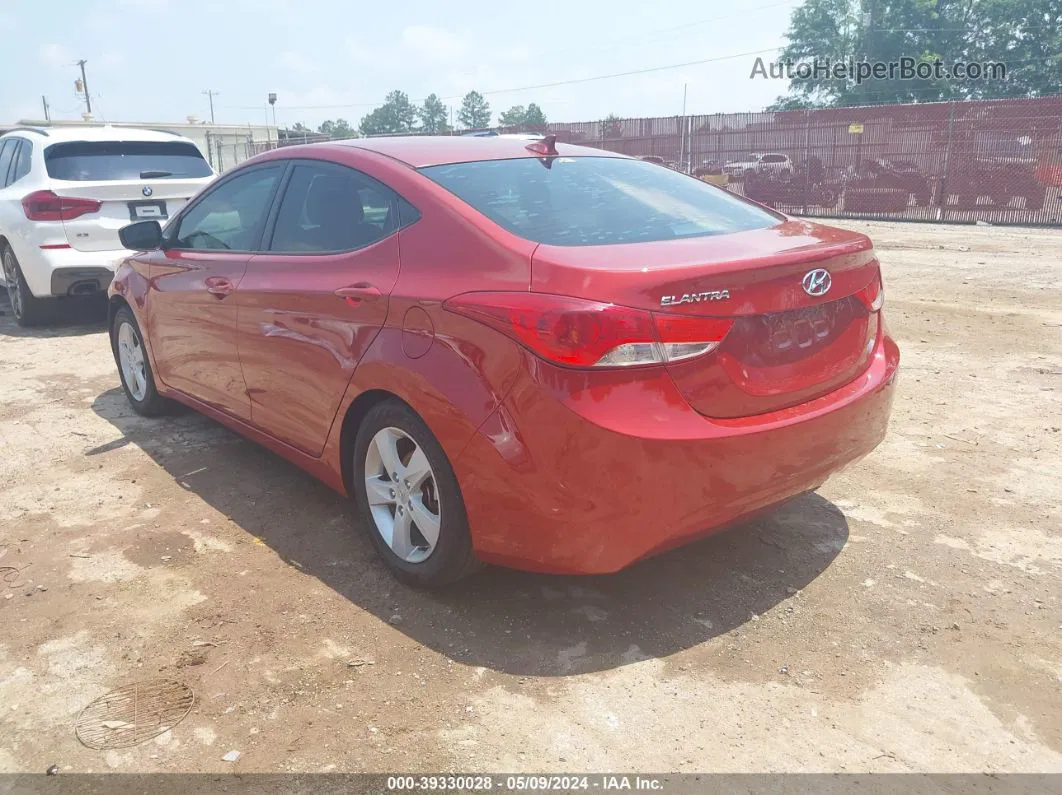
[{"x": 147, "y": 190}]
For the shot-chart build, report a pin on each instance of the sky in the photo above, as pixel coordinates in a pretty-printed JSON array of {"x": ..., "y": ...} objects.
[{"x": 151, "y": 60}]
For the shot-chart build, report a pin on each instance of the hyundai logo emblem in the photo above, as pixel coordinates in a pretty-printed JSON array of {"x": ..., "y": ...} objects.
[
  {"x": 817, "y": 282},
  {"x": 147, "y": 190}
]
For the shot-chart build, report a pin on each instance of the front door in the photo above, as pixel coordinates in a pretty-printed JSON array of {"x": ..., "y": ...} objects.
[
  {"x": 310, "y": 306},
  {"x": 191, "y": 304}
]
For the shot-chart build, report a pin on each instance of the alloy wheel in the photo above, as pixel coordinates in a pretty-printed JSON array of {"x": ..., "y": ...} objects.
[
  {"x": 403, "y": 495},
  {"x": 131, "y": 358},
  {"x": 14, "y": 288}
]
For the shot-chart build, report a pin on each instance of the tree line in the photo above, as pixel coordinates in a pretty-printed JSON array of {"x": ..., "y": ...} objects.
[
  {"x": 1026, "y": 35},
  {"x": 399, "y": 115}
]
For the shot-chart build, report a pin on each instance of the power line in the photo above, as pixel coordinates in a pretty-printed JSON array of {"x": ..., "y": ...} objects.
[{"x": 555, "y": 84}]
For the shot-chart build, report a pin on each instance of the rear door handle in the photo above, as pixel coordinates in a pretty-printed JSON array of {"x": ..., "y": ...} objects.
[
  {"x": 218, "y": 286},
  {"x": 356, "y": 293}
]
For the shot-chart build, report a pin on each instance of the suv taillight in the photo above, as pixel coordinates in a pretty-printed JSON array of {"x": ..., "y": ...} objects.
[
  {"x": 580, "y": 333},
  {"x": 43, "y": 205}
]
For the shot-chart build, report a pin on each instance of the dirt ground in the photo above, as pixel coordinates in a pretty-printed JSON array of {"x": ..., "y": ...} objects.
[{"x": 905, "y": 618}]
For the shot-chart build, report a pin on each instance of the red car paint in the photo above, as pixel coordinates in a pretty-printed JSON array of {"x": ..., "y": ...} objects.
[{"x": 561, "y": 469}]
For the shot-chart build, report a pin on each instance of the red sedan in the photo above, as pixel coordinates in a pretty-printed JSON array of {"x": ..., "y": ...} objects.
[{"x": 546, "y": 357}]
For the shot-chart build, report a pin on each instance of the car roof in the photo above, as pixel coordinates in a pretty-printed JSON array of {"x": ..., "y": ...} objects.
[
  {"x": 420, "y": 151},
  {"x": 101, "y": 132}
]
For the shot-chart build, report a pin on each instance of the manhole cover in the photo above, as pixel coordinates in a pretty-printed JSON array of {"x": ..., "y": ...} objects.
[{"x": 134, "y": 713}]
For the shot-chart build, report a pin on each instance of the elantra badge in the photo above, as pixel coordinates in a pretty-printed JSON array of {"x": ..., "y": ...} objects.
[
  {"x": 147, "y": 190},
  {"x": 817, "y": 283},
  {"x": 694, "y": 298}
]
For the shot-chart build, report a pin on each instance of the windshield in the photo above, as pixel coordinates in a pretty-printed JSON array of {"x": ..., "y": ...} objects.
[
  {"x": 82, "y": 161},
  {"x": 589, "y": 201}
]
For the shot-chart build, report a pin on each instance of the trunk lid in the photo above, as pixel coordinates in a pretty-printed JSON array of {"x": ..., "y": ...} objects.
[
  {"x": 122, "y": 202},
  {"x": 785, "y": 346}
]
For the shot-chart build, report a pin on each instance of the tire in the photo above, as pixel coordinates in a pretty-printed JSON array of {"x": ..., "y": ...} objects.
[
  {"x": 410, "y": 554},
  {"x": 143, "y": 396},
  {"x": 828, "y": 198},
  {"x": 1035, "y": 199},
  {"x": 25, "y": 306}
]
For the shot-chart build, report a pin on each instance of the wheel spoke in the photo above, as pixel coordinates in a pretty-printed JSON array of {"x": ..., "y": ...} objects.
[
  {"x": 401, "y": 543},
  {"x": 417, "y": 470},
  {"x": 379, "y": 490},
  {"x": 387, "y": 446},
  {"x": 426, "y": 521}
]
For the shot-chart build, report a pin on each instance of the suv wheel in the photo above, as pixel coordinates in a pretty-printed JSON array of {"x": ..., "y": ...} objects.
[
  {"x": 408, "y": 499},
  {"x": 27, "y": 308}
]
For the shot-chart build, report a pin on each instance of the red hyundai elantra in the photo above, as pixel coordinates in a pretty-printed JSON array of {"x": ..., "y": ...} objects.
[{"x": 546, "y": 357}]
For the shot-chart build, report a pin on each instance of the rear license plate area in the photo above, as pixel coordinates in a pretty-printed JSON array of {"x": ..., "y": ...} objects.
[{"x": 147, "y": 211}]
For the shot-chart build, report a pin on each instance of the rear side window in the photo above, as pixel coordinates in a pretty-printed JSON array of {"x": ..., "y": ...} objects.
[
  {"x": 82, "y": 161},
  {"x": 21, "y": 165},
  {"x": 332, "y": 208},
  {"x": 773, "y": 159},
  {"x": 589, "y": 201},
  {"x": 231, "y": 216},
  {"x": 7, "y": 152}
]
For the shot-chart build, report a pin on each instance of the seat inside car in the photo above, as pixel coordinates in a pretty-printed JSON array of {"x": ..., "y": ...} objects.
[{"x": 333, "y": 219}]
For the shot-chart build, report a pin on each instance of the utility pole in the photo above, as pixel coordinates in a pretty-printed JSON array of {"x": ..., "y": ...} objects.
[
  {"x": 211, "y": 94},
  {"x": 47, "y": 113},
  {"x": 84, "y": 85}
]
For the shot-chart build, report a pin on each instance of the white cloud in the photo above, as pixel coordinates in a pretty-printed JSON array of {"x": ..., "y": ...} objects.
[
  {"x": 296, "y": 62},
  {"x": 366, "y": 54},
  {"x": 150, "y": 6},
  {"x": 434, "y": 44},
  {"x": 55, "y": 55}
]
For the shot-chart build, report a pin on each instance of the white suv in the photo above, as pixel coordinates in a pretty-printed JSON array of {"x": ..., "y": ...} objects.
[
  {"x": 771, "y": 162},
  {"x": 65, "y": 193}
]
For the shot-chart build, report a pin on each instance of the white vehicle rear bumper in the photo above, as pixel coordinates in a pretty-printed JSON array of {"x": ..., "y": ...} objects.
[{"x": 66, "y": 271}]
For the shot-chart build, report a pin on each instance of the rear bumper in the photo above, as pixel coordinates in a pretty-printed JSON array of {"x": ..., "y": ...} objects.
[
  {"x": 51, "y": 272},
  {"x": 568, "y": 481}
]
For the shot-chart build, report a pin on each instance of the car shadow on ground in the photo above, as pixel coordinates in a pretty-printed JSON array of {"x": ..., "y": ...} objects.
[
  {"x": 72, "y": 318},
  {"x": 508, "y": 621}
]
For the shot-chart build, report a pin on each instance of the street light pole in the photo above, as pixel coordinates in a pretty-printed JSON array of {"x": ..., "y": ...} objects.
[{"x": 210, "y": 95}]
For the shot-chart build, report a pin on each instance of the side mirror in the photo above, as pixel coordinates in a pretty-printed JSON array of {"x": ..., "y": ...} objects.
[{"x": 141, "y": 236}]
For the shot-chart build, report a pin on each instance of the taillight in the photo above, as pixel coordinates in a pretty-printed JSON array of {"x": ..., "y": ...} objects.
[
  {"x": 43, "y": 205},
  {"x": 580, "y": 333},
  {"x": 873, "y": 295}
]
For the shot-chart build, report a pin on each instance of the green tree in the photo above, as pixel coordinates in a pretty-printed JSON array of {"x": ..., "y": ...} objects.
[
  {"x": 534, "y": 117},
  {"x": 474, "y": 112},
  {"x": 612, "y": 126},
  {"x": 340, "y": 128},
  {"x": 1026, "y": 35},
  {"x": 433, "y": 115},
  {"x": 300, "y": 127},
  {"x": 514, "y": 117},
  {"x": 396, "y": 115}
]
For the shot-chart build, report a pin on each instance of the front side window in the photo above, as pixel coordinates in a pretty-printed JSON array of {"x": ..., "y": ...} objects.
[
  {"x": 332, "y": 208},
  {"x": 231, "y": 216},
  {"x": 589, "y": 201},
  {"x": 83, "y": 161}
]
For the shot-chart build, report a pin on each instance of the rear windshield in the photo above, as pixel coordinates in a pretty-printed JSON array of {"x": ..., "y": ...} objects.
[
  {"x": 593, "y": 201},
  {"x": 82, "y": 161}
]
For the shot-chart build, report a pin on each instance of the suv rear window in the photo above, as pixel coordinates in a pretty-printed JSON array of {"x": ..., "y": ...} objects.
[
  {"x": 81, "y": 161},
  {"x": 593, "y": 201}
]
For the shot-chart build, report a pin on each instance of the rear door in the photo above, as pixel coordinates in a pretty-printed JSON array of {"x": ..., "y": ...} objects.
[
  {"x": 131, "y": 180},
  {"x": 191, "y": 305},
  {"x": 311, "y": 306}
]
